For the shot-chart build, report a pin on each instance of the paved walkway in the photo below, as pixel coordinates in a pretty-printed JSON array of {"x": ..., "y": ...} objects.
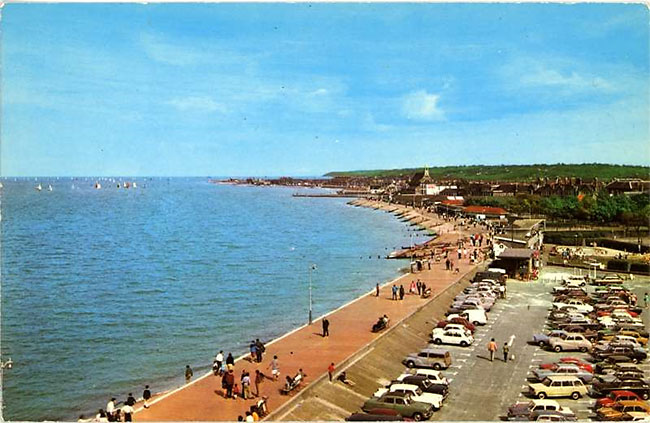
[{"x": 304, "y": 348}]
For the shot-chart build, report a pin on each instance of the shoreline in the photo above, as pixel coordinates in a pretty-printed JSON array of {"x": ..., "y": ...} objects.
[{"x": 207, "y": 388}]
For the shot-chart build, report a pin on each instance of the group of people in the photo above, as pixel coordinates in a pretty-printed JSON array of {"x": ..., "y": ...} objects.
[
  {"x": 255, "y": 412},
  {"x": 113, "y": 413},
  {"x": 492, "y": 348}
]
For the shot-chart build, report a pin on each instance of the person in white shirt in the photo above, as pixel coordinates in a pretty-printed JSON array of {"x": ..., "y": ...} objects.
[
  {"x": 110, "y": 408},
  {"x": 249, "y": 417},
  {"x": 128, "y": 412}
]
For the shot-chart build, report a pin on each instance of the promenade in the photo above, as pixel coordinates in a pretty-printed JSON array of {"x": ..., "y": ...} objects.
[{"x": 304, "y": 348}]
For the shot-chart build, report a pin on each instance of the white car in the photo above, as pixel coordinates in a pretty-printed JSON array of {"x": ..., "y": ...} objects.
[
  {"x": 457, "y": 326},
  {"x": 452, "y": 336},
  {"x": 574, "y": 281},
  {"x": 579, "y": 305},
  {"x": 434, "y": 376},
  {"x": 416, "y": 394}
]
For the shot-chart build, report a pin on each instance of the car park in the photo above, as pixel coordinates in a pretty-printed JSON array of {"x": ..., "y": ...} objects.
[
  {"x": 402, "y": 403},
  {"x": 558, "y": 386}
]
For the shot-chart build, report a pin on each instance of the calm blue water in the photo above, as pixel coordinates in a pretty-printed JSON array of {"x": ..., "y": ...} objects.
[{"x": 104, "y": 291}]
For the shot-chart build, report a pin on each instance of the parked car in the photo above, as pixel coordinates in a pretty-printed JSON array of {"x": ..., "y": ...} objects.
[
  {"x": 635, "y": 354},
  {"x": 616, "y": 396},
  {"x": 625, "y": 374},
  {"x": 402, "y": 403},
  {"x": 623, "y": 410},
  {"x": 643, "y": 340},
  {"x": 568, "y": 360},
  {"x": 458, "y": 321},
  {"x": 608, "y": 365},
  {"x": 558, "y": 386},
  {"x": 551, "y": 416},
  {"x": 526, "y": 408},
  {"x": 477, "y": 317},
  {"x": 425, "y": 384},
  {"x": 542, "y": 339},
  {"x": 435, "y": 376},
  {"x": 417, "y": 394},
  {"x": 638, "y": 386},
  {"x": 570, "y": 342},
  {"x": 452, "y": 336},
  {"x": 429, "y": 357},
  {"x": 371, "y": 417},
  {"x": 564, "y": 369},
  {"x": 608, "y": 280},
  {"x": 578, "y": 304}
]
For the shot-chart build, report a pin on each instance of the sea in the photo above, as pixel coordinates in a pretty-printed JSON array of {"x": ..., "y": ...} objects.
[{"x": 106, "y": 290}]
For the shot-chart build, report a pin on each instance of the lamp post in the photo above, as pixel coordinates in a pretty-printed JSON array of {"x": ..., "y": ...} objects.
[{"x": 311, "y": 268}]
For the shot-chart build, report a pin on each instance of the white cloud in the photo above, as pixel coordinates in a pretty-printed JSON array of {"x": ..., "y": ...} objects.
[
  {"x": 320, "y": 91},
  {"x": 550, "y": 77},
  {"x": 421, "y": 105},
  {"x": 197, "y": 104}
]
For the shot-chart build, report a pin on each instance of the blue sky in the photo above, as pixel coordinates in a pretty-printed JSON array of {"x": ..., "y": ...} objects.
[{"x": 303, "y": 89}]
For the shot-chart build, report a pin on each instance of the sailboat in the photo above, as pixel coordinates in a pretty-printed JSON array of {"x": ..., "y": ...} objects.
[
  {"x": 39, "y": 187},
  {"x": 49, "y": 187}
]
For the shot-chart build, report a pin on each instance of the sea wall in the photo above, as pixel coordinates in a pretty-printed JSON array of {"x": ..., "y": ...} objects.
[{"x": 371, "y": 367}]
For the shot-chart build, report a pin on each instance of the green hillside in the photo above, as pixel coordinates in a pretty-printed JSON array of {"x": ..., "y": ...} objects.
[{"x": 516, "y": 172}]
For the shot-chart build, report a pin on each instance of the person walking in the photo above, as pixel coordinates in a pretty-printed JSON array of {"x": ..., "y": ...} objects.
[
  {"x": 326, "y": 327},
  {"x": 275, "y": 368},
  {"x": 646, "y": 299},
  {"x": 419, "y": 286},
  {"x": 229, "y": 382},
  {"x": 218, "y": 361},
  {"x": 506, "y": 350},
  {"x": 394, "y": 292},
  {"x": 230, "y": 361},
  {"x": 259, "y": 378},
  {"x": 377, "y": 290},
  {"x": 401, "y": 292},
  {"x": 188, "y": 374},
  {"x": 492, "y": 347},
  {"x": 146, "y": 395},
  {"x": 253, "y": 350},
  {"x": 246, "y": 386},
  {"x": 330, "y": 370}
]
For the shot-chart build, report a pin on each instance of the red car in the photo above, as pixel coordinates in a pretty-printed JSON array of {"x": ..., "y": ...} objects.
[
  {"x": 553, "y": 366},
  {"x": 616, "y": 396},
  {"x": 602, "y": 313},
  {"x": 458, "y": 321},
  {"x": 580, "y": 363}
]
